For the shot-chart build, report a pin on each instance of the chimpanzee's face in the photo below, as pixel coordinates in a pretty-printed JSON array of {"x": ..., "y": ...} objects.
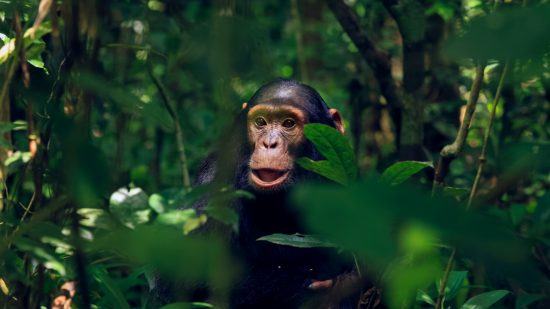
[{"x": 275, "y": 134}]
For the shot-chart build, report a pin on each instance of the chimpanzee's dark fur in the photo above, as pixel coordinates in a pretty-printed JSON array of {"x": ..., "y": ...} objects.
[{"x": 275, "y": 276}]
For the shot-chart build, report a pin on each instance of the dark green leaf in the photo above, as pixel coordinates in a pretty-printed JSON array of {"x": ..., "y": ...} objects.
[
  {"x": 454, "y": 283},
  {"x": 108, "y": 285},
  {"x": 296, "y": 240},
  {"x": 524, "y": 300},
  {"x": 340, "y": 164},
  {"x": 485, "y": 300}
]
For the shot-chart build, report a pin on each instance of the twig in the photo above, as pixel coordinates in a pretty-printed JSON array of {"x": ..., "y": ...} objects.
[
  {"x": 482, "y": 156},
  {"x": 443, "y": 282},
  {"x": 179, "y": 133},
  {"x": 451, "y": 151}
]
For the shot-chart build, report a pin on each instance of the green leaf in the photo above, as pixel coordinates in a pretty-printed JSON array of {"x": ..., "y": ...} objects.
[
  {"x": 194, "y": 223},
  {"x": 95, "y": 217},
  {"x": 131, "y": 207},
  {"x": 42, "y": 253},
  {"x": 17, "y": 125},
  {"x": 176, "y": 217},
  {"x": 524, "y": 300},
  {"x": 340, "y": 164},
  {"x": 187, "y": 305},
  {"x": 169, "y": 199},
  {"x": 454, "y": 283},
  {"x": 424, "y": 297},
  {"x": 517, "y": 212},
  {"x": 485, "y": 300},
  {"x": 296, "y": 240},
  {"x": 102, "y": 277},
  {"x": 225, "y": 214},
  {"x": 458, "y": 193},
  {"x": 401, "y": 171}
]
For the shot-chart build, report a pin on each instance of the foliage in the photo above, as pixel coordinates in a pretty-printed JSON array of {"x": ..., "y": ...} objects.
[{"x": 91, "y": 166}]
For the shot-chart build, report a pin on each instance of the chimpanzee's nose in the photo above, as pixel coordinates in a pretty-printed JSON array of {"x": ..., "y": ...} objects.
[{"x": 270, "y": 143}]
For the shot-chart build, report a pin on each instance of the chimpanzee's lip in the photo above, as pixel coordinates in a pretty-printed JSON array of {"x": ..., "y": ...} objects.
[{"x": 267, "y": 178}]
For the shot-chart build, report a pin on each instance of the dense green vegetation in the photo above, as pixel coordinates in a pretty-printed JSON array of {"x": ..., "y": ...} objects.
[{"x": 439, "y": 188}]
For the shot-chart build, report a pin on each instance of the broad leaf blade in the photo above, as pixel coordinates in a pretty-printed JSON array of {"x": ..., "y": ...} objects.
[
  {"x": 340, "y": 164},
  {"x": 401, "y": 171},
  {"x": 485, "y": 300},
  {"x": 325, "y": 169},
  {"x": 295, "y": 240}
]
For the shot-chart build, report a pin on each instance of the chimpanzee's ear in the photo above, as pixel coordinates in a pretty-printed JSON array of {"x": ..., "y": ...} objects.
[
  {"x": 245, "y": 104},
  {"x": 337, "y": 118}
]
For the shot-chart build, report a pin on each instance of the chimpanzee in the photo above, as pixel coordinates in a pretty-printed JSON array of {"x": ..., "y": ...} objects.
[{"x": 271, "y": 128}]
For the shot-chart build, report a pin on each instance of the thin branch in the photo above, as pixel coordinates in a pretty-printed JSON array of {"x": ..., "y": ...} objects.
[
  {"x": 179, "y": 132},
  {"x": 451, "y": 151},
  {"x": 483, "y": 154},
  {"x": 443, "y": 282}
]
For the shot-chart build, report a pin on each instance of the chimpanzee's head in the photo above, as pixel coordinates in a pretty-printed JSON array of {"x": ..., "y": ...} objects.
[{"x": 276, "y": 115}]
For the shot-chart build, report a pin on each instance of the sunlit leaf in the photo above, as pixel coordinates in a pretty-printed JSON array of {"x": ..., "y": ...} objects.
[
  {"x": 131, "y": 207},
  {"x": 176, "y": 217},
  {"x": 424, "y": 297}
]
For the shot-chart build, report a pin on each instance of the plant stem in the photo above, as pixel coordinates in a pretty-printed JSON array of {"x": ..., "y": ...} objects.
[
  {"x": 179, "y": 132},
  {"x": 482, "y": 156},
  {"x": 451, "y": 151},
  {"x": 443, "y": 282}
]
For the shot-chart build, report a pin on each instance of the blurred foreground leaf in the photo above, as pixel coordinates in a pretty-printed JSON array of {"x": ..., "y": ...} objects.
[
  {"x": 366, "y": 218},
  {"x": 171, "y": 253},
  {"x": 516, "y": 32}
]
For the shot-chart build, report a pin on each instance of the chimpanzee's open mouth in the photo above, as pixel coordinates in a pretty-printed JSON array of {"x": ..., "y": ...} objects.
[{"x": 266, "y": 178}]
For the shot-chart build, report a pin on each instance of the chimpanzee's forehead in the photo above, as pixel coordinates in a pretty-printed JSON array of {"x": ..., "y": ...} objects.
[
  {"x": 283, "y": 96},
  {"x": 291, "y": 93}
]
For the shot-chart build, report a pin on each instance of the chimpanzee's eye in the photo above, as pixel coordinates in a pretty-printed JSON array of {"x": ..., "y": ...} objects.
[
  {"x": 260, "y": 122},
  {"x": 289, "y": 123}
]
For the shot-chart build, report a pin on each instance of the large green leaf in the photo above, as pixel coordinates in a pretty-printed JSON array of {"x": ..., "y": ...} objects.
[
  {"x": 296, "y": 240},
  {"x": 340, "y": 165},
  {"x": 401, "y": 171},
  {"x": 485, "y": 300}
]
